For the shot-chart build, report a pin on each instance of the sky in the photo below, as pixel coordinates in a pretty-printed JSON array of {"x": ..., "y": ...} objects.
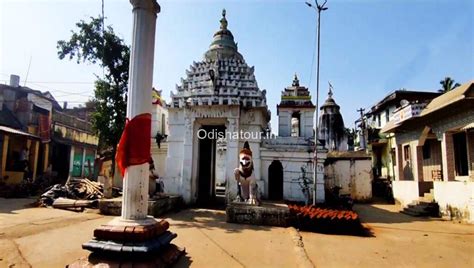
[{"x": 369, "y": 48}]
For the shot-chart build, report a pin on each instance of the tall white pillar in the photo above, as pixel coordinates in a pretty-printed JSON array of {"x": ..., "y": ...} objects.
[{"x": 135, "y": 182}]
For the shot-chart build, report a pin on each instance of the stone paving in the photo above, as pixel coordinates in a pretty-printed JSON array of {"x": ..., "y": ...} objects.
[{"x": 43, "y": 237}]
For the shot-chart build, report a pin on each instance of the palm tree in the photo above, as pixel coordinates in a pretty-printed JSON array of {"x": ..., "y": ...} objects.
[{"x": 448, "y": 84}]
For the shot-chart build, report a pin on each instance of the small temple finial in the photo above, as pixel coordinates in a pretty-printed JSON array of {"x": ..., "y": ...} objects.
[
  {"x": 330, "y": 90},
  {"x": 296, "y": 81},
  {"x": 223, "y": 20}
]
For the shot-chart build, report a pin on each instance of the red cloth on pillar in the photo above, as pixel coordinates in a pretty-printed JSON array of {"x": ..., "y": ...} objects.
[{"x": 135, "y": 143}]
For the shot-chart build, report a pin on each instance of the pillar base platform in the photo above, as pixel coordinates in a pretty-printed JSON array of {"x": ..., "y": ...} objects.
[
  {"x": 146, "y": 242},
  {"x": 165, "y": 258}
]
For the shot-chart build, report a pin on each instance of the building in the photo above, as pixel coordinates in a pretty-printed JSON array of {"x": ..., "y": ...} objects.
[
  {"x": 382, "y": 145},
  {"x": 434, "y": 150},
  {"x": 74, "y": 146},
  {"x": 33, "y": 127},
  {"x": 220, "y": 96},
  {"x": 159, "y": 132},
  {"x": 295, "y": 112},
  {"x": 26, "y": 115}
]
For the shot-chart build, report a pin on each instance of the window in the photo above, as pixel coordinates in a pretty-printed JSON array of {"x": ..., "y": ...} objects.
[
  {"x": 427, "y": 150},
  {"x": 295, "y": 124},
  {"x": 406, "y": 152},
  {"x": 379, "y": 123},
  {"x": 387, "y": 116}
]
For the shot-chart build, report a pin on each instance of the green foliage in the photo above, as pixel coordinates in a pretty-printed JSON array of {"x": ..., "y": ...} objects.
[
  {"x": 97, "y": 45},
  {"x": 448, "y": 84}
]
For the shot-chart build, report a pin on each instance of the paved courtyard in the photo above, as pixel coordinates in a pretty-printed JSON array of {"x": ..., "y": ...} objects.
[{"x": 43, "y": 237}]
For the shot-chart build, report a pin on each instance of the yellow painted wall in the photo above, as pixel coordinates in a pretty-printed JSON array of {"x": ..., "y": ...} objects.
[{"x": 75, "y": 135}]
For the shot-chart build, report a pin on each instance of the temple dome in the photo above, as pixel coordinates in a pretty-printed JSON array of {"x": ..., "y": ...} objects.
[
  {"x": 223, "y": 45},
  {"x": 221, "y": 78}
]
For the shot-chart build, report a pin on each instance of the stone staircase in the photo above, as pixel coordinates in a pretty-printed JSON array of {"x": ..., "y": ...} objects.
[
  {"x": 220, "y": 191},
  {"x": 424, "y": 207}
]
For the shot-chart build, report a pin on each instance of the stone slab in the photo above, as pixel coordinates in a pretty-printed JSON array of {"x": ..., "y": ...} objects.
[
  {"x": 268, "y": 213},
  {"x": 156, "y": 207},
  {"x": 166, "y": 258},
  {"x": 137, "y": 248}
]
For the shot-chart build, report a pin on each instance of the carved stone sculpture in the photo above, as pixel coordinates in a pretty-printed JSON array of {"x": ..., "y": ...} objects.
[{"x": 248, "y": 188}]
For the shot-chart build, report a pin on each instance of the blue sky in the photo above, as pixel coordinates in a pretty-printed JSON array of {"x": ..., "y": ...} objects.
[{"x": 368, "y": 48}]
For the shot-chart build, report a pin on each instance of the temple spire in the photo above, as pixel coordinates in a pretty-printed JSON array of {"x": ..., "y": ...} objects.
[
  {"x": 296, "y": 81},
  {"x": 330, "y": 90},
  {"x": 223, "y": 20}
]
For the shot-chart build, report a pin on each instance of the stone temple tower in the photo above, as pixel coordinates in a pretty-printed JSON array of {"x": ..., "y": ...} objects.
[
  {"x": 331, "y": 125},
  {"x": 295, "y": 112}
]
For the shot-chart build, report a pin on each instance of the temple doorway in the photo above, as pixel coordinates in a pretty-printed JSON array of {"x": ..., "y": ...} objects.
[
  {"x": 211, "y": 166},
  {"x": 275, "y": 181}
]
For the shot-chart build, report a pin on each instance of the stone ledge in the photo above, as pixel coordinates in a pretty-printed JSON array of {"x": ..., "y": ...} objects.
[{"x": 271, "y": 214}]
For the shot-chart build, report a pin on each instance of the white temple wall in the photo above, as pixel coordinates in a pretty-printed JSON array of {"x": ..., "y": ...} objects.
[
  {"x": 174, "y": 159},
  {"x": 307, "y": 123},
  {"x": 292, "y": 161},
  {"x": 284, "y": 123},
  {"x": 159, "y": 156}
]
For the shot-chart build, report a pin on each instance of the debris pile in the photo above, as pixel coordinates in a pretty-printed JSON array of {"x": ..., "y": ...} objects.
[
  {"x": 75, "y": 188},
  {"x": 326, "y": 220}
]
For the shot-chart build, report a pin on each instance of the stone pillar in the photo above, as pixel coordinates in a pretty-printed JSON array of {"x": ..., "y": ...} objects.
[
  {"x": 187, "y": 168},
  {"x": 232, "y": 160},
  {"x": 447, "y": 156},
  {"x": 135, "y": 182}
]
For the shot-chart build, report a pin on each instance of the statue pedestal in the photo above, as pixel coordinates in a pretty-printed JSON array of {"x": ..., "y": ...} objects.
[{"x": 268, "y": 213}]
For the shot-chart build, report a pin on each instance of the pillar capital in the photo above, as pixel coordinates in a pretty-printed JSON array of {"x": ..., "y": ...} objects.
[{"x": 150, "y": 5}]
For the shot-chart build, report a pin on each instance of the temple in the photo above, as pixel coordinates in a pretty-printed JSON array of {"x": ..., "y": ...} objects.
[
  {"x": 215, "y": 109},
  {"x": 332, "y": 132}
]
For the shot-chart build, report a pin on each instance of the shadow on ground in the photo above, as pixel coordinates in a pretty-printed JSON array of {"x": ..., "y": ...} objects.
[
  {"x": 371, "y": 213},
  {"x": 209, "y": 219},
  {"x": 11, "y": 205}
]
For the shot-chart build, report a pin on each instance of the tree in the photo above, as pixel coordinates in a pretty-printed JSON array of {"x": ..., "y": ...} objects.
[
  {"x": 96, "y": 44},
  {"x": 448, "y": 84}
]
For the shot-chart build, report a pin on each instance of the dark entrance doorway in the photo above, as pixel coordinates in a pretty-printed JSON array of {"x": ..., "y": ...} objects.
[
  {"x": 460, "y": 154},
  {"x": 60, "y": 161},
  {"x": 206, "y": 180},
  {"x": 275, "y": 181}
]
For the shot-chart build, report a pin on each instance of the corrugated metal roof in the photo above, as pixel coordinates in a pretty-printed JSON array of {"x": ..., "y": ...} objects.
[
  {"x": 17, "y": 132},
  {"x": 447, "y": 98}
]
